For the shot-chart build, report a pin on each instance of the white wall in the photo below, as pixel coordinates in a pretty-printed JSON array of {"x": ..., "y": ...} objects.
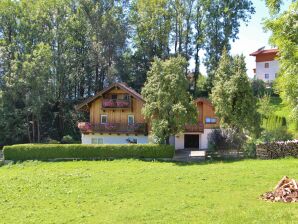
[
  {"x": 179, "y": 141},
  {"x": 114, "y": 139},
  {"x": 204, "y": 138},
  {"x": 272, "y": 70}
]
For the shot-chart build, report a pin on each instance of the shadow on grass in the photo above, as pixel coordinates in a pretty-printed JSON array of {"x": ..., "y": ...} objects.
[{"x": 147, "y": 160}]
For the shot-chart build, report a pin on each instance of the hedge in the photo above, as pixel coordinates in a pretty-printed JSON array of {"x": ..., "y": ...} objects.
[
  {"x": 80, "y": 151},
  {"x": 275, "y": 150}
]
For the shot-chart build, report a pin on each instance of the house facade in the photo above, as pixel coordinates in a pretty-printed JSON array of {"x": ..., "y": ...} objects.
[
  {"x": 266, "y": 64},
  {"x": 115, "y": 117},
  {"x": 196, "y": 136}
]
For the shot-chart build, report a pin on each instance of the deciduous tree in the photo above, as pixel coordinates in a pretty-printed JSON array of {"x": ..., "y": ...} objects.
[{"x": 168, "y": 105}]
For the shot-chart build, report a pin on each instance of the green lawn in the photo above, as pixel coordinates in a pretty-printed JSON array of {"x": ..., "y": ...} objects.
[{"x": 132, "y": 191}]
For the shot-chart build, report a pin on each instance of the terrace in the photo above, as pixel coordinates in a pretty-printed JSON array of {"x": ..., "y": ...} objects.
[{"x": 113, "y": 128}]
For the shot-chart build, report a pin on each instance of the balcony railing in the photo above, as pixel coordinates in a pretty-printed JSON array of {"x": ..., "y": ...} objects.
[
  {"x": 113, "y": 128},
  {"x": 115, "y": 103},
  {"x": 199, "y": 127}
]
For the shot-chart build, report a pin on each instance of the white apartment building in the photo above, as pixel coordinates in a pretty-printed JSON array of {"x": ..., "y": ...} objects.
[{"x": 266, "y": 64}]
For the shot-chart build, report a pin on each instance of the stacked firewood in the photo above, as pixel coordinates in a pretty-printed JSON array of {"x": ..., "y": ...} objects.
[
  {"x": 273, "y": 150},
  {"x": 285, "y": 191}
]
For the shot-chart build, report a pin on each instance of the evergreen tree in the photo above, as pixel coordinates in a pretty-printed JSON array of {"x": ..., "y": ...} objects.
[{"x": 232, "y": 95}]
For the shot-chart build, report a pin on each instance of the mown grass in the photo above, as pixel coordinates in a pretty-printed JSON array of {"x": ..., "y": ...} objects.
[{"x": 132, "y": 191}]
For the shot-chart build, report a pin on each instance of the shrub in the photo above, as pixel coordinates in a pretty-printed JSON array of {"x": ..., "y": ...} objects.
[
  {"x": 249, "y": 148},
  {"x": 226, "y": 139},
  {"x": 67, "y": 139},
  {"x": 79, "y": 151},
  {"x": 53, "y": 141},
  {"x": 278, "y": 134}
]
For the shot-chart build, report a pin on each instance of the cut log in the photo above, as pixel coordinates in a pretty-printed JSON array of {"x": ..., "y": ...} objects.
[{"x": 285, "y": 191}]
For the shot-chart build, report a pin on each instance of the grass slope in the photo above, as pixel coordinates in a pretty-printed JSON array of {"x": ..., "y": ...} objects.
[
  {"x": 131, "y": 191},
  {"x": 282, "y": 110}
]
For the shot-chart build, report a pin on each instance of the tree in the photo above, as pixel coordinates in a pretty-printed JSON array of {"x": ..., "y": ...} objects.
[
  {"x": 168, "y": 104},
  {"x": 222, "y": 19},
  {"x": 258, "y": 87},
  {"x": 265, "y": 109},
  {"x": 232, "y": 95},
  {"x": 285, "y": 36}
]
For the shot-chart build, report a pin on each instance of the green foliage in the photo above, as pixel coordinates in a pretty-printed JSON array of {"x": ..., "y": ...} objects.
[
  {"x": 277, "y": 134},
  {"x": 202, "y": 87},
  {"x": 67, "y": 139},
  {"x": 232, "y": 96},
  {"x": 274, "y": 5},
  {"x": 264, "y": 107},
  {"x": 168, "y": 104},
  {"x": 226, "y": 139},
  {"x": 52, "y": 141},
  {"x": 56, "y": 53},
  {"x": 259, "y": 88},
  {"x": 249, "y": 148},
  {"x": 285, "y": 36},
  {"x": 79, "y": 151},
  {"x": 273, "y": 122},
  {"x": 223, "y": 19}
]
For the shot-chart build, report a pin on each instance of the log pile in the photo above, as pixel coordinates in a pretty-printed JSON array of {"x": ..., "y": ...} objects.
[
  {"x": 285, "y": 191},
  {"x": 274, "y": 150}
]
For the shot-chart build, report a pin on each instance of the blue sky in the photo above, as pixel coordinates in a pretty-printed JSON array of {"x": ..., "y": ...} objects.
[{"x": 252, "y": 36}]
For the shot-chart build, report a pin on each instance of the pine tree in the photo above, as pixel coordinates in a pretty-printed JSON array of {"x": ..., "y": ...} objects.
[{"x": 232, "y": 96}]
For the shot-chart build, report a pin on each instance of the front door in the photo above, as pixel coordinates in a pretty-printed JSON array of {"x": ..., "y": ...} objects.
[{"x": 191, "y": 141}]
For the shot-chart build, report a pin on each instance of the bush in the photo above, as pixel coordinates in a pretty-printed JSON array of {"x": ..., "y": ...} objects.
[
  {"x": 277, "y": 149},
  {"x": 53, "y": 141},
  {"x": 79, "y": 151},
  {"x": 249, "y": 148},
  {"x": 226, "y": 139},
  {"x": 278, "y": 134},
  {"x": 67, "y": 139}
]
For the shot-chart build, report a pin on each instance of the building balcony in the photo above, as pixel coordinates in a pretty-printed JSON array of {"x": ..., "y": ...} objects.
[
  {"x": 199, "y": 127},
  {"x": 113, "y": 128},
  {"x": 115, "y": 103}
]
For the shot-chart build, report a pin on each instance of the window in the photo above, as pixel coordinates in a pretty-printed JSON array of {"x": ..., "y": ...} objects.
[
  {"x": 97, "y": 141},
  {"x": 210, "y": 120},
  {"x": 114, "y": 96},
  {"x": 103, "y": 119},
  {"x": 131, "y": 119},
  {"x": 266, "y": 65},
  {"x": 266, "y": 76},
  {"x": 125, "y": 97}
]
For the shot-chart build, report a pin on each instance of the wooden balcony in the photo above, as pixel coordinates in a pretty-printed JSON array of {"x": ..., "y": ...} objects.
[
  {"x": 113, "y": 128},
  {"x": 115, "y": 103},
  {"x": 199, "y": 127}
]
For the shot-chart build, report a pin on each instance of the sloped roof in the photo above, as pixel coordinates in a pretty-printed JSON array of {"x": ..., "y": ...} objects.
[
  {"x": 262, "y": 51},
  {"x": 122, "y": 86},
  {"x": 203, "y": 100}
]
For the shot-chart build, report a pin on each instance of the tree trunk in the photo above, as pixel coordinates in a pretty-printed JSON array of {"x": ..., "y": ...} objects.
[
  {"x": 28, "y": 129},
  {"x": 38, "y": 130},
  {"x": 33, "y": 129}
]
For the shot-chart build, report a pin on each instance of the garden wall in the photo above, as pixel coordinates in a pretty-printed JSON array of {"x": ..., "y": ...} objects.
[
  {"x": 276, "y": 150},
  {"x": 81, "y": 151}
]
